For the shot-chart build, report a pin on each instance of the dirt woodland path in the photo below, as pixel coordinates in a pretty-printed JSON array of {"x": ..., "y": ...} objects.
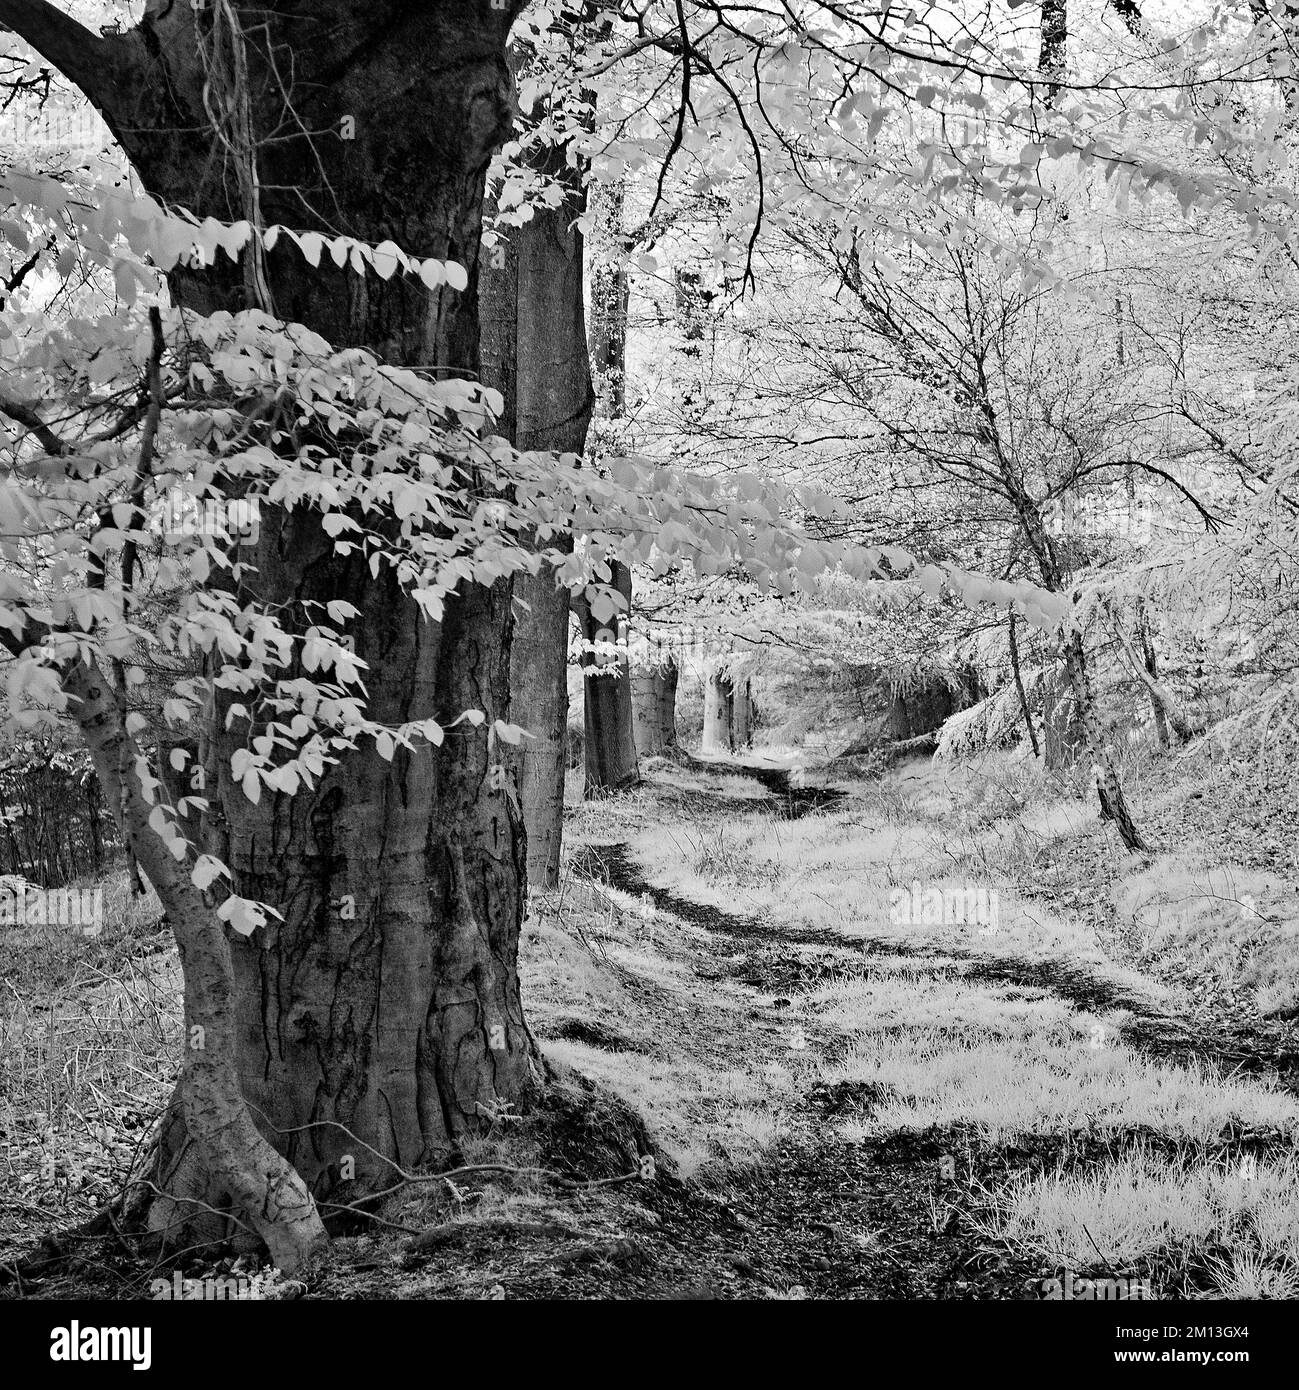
[
  {"x": 832, "y": 1212},
  {"x": 846, "y": 1101}
]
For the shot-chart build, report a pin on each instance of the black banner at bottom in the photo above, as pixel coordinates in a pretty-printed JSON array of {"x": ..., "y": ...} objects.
[{"x": 362, "y": 1341}]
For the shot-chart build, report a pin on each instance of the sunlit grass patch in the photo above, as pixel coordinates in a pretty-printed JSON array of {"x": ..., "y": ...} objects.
[
  {"x": 1240, "y": 1226},
  {"x": 936, "y": 1003},
  {"x": 1238, "y": 927},
  {"x": 1047, "y": 1081}
]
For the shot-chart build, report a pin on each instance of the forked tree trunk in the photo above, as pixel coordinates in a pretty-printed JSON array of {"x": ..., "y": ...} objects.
[
  {"x": 654, "y": 702},
  {"x": 535, "y": 354},
  {"x": 611, "y": 763},
  {"x": 381, "y": 1018}
]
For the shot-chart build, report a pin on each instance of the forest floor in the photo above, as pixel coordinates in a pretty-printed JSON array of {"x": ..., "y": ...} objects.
[{"x": 1094, "y": 1074}]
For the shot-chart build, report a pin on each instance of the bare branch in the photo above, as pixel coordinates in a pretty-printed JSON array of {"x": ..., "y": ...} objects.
[{"x": 35, "y": 426}]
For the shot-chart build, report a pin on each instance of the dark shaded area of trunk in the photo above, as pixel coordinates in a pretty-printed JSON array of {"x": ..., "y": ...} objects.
[
  {"x": 611, "y": 762},
  {"x": 742, "y": 713}
]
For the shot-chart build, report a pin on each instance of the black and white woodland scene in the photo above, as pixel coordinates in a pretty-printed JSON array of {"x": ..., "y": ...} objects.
[{"x": 649, "y": 651}]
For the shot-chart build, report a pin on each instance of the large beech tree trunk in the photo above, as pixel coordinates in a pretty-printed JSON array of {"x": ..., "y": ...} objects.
[
  {"x": 654, "y": 706},
  {"x": 535, "y": 353},
  {"x": 381, "y": 1018}
]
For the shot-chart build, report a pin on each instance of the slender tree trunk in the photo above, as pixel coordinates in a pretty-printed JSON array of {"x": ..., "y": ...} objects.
[
  {"x": 94, "y": 810},
  {"x": 654, "y": 701},
  {"x": 1170, "y": 723},
  {"x": 1019, "y": 686},
  {"x": 610, "y": 731},
  {"x": 380, "y": 1020},
  {"x": 535, "y": 354},
  {"x": 1109, "y": 789}
]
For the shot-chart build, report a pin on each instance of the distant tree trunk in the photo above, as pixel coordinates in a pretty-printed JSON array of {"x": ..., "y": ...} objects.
[
  {"x": 610, "y": 294},
  {"x": 719, "y": 710},
  {"x": 1019, "y": 686},
  {"x": 539, "y": 673},
  {"x": 654, "y": 706},
  {"x": 741, "y": 713},
  {"x": 535, "y": 353},
  {"x": 611, "y": 763},
  {"x": 1109, "y": 789},
  {"x": 610, "y": 729},
  {"x": 1170, "y": 724}
]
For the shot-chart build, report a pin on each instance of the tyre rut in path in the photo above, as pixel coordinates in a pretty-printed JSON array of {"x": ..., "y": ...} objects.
[
  {"x": 874, "y": 1219},
  {"x": 821, "y": 1214},
  {"x": 1248, "y": 1051}
]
